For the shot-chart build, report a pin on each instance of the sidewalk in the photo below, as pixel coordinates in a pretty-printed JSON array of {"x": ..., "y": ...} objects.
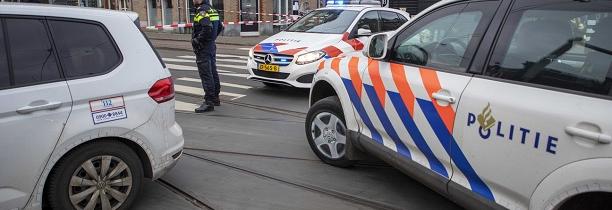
[{"x": 242, "y": 41}]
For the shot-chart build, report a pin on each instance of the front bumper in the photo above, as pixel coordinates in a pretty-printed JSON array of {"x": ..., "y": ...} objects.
[{"x": 293, "y": 75}]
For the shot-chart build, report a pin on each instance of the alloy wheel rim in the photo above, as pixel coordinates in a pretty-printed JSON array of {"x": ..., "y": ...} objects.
[
  {"x": 329, "y": 135},
  {"x": 102, "y": 182}
]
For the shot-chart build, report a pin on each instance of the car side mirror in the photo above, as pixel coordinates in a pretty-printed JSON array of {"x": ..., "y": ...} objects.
[
  {"x": 364, "y": 32},
  {"x": 376, "y": 46}
]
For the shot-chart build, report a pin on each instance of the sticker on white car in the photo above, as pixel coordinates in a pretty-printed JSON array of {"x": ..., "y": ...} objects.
[{"x": 108, "y": 110}]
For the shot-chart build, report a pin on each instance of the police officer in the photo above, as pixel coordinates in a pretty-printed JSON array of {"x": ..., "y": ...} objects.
[{"x": 206, "y": 28}]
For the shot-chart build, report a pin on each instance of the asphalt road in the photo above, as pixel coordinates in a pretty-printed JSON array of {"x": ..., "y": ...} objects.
[{"x": 251, "y": 153}]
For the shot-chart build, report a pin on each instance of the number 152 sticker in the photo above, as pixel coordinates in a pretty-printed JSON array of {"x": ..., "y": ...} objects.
[{"x": 107, "y": 110}]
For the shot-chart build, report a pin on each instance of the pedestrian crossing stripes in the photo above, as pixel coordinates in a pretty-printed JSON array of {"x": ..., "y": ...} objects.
[
  {"x": 200, "y": 91},
  {"x": 235, "y": 75},
  {"x": 189, "y": 68},
  {"x": 229, "y": 66},
  {"x": 177, "y": 60},
  {"x": 183, "y": 106},
  {"x": 218, "y": 55},
  {"x": 222, "y": 83},
  {"x": 193, "y": 68}
]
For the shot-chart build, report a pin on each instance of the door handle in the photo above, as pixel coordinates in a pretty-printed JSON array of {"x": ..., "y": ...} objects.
[
  {"x": 591, "y": 135},
  {"x": 443, "y": 97},
  {"x": 33, "y": 108}
]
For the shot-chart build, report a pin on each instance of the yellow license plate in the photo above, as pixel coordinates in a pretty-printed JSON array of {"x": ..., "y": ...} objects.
[{"x": 268, "y": 67}]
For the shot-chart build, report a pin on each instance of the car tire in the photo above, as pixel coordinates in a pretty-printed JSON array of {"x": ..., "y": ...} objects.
[
  {"x": 271, "y": 85},
  {"x": 324, "y": 136},
  {"x": 71, "y": 179}
]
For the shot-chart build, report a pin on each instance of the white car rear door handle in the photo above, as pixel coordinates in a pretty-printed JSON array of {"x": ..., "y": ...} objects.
[
  {"x": 443, "y": 97},
  {"x": 591, "y": 135},
  {"x": 33, "y": 108}
]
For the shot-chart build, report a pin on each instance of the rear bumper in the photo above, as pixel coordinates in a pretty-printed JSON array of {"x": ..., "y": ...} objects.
[
  {"x": 174, "y": 152},
  {"x": 162, "y": 139}
]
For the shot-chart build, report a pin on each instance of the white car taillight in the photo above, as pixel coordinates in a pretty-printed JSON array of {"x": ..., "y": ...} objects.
[{"x": 162, "y": 90}]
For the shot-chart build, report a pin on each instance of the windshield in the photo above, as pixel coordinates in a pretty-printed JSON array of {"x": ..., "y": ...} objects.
[{"x": 325, "y": 21}]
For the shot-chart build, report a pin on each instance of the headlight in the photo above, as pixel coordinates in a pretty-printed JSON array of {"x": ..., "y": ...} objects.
[
  {"x": 252, "y": 52},
  {"x": 310, "y": 57}
]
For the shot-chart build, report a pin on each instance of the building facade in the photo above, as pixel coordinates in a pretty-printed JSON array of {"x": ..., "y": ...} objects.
[
  {"x": 124, "y": 5},
  {"x": 241, "y": 17},
  {"x": 411, "y": 6}
]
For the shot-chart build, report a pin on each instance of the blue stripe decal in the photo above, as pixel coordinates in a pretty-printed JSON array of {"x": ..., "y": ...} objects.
[
  {"x": 269, "y": 47},
  {"x": 451, "y": 147},
  {"x": 384, "y": 119},
  {"x": 359, "y": 107},
  {"x": 416, "y": 135}
]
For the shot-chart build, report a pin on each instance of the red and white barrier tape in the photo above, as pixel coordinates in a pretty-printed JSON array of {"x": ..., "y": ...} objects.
[
  {"x": 290, "y": 19},
  {"x": 190, "y": 25},
  {"x": 253, "y": 22},
  {"x": 258, "y": 13}
]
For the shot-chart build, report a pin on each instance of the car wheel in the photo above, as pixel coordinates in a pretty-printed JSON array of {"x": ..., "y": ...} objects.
[
  {"x": 326, "y": 132},
  {"x": 272, "y": 85},
  {"x": 101, "y": 175}
]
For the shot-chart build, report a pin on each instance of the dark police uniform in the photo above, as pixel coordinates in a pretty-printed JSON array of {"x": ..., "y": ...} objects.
[{"x": 206, "y": 28}]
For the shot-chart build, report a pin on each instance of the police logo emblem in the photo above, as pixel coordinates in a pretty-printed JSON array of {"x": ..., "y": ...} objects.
[{"x": 486, "y": 119}]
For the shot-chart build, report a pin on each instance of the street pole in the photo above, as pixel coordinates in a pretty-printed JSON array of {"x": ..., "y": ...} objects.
[{"x": 179, "y": 10}]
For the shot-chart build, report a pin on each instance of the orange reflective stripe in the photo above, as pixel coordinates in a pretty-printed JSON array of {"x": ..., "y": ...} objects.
[
  {"x": 379, "y": 87},
  {"x": 332, "y": 51},
  {"x": 321, "y": 65},
  {"x": 355, "y": 43},
  {"x": 335, "y": 65},
  {"x": 354, "y": 74},
  {"x": 432, "y": 85},
  {"x": 399, "y": 77}
]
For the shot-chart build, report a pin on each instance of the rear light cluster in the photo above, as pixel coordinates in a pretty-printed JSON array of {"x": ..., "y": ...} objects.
[{"x": 162, "y": 90}]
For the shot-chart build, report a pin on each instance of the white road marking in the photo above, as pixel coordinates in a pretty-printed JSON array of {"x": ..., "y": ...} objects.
[
  {"x": 231, "y": 61},
  {"x": 187, "y": 57},
  {"x": 178, "y": 60},
  {"x": 200, "y": 91},
  {"x": 222, "y": 83},
  {"x": 190, "y": 68},
  {"x": 235, "y": 75},
  {"x": 245, "y": 48},
  {"x": 219, "y": 55},
  {"x": 231, "y": 66},
  {"x": 193, "y": 61},
  {"x": 183, "y": 106}
]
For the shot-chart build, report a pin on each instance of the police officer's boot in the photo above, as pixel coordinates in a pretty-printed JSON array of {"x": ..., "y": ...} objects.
[
  {"x": 205, "y": 107},
  {"x": 216, "y": 102}
]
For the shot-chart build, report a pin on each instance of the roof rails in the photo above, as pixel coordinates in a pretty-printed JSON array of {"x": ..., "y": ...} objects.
[{"x": 353, "y": 3}]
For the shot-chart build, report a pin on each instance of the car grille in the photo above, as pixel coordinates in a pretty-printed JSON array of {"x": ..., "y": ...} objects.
[
  {"x": 273, "y": 75},
  {"x": 279, "y": 59}
]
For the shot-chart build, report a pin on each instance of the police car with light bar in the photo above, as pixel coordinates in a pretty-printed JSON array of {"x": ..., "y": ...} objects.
[
  {"x": 495, "y": 104},
  {"x": 290, "y": 57}
]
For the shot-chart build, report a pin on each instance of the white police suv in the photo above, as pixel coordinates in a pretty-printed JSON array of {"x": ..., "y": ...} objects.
[
  {"x": 495, "y": 104},
  {"x": 290, "y": 57},
  {"x": 87, "y": 109}
]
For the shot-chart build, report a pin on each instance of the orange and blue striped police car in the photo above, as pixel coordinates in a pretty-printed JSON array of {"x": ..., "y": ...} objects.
[{"x": 495, "y": 104}]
